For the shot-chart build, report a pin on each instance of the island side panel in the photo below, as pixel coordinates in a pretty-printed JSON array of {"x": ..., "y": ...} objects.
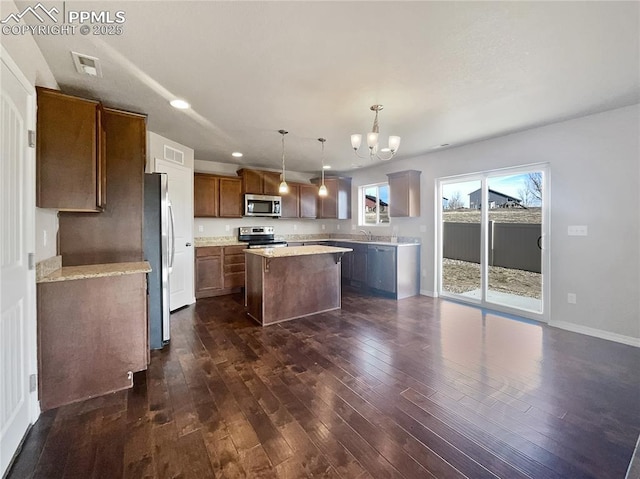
[
  {"x": 298, "y": 286},
  {"x": 253, "y": 293}
]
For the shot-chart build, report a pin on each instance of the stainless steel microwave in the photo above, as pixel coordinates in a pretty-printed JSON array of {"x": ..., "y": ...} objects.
[{"x": 262, "y": 205}]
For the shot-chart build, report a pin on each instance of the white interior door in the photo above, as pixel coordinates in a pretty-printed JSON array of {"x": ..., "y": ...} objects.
[
  {"x": 181, "y": 197},
  {"x": 17, "y": 281}
]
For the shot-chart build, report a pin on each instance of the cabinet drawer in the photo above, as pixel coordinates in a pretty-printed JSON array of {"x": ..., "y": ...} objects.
[
  {"x": 239, "y": 250},
  {"x": 233, "y": 258},
  {"x": 234, "y": 280},
  {"x": 208, "y": 251},
  {"x": 234, "y": 268}
]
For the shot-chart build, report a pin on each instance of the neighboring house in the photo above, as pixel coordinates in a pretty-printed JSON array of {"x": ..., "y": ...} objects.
[
  {"x": 496, "y": 200},
  {"x": 371, "y": 204}
]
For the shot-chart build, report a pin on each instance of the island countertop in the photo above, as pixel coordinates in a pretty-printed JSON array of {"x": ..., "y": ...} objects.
[{"x": 296, "y": 251}]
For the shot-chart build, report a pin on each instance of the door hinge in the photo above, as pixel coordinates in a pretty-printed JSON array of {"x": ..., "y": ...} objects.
[
  {"x": 33, "y": 383},
  {"x": 32, "y": 261},
  {"x": 31, "y": 136}
]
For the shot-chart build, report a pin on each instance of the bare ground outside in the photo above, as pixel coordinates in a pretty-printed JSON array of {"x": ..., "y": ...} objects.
[{"x": 461, "y": 276}]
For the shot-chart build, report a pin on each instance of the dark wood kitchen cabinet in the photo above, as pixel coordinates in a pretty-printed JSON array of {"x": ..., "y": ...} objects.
[
  {"x": 70, "y": 153},
  {"x": 291, "y": 202},
  {"x": 216, "y": 196},
  {"x": 219, "y": 270},
  {"x": 308, "y": 201},
  {"x": 354, "y": 264},
  {"x": 337, "y": 203},
  {"x": 115, "y": 234},
  {"x": 205, "y": 196},
  {"x": 260, "y": 182},
  {"x": 404, "y": 191}
]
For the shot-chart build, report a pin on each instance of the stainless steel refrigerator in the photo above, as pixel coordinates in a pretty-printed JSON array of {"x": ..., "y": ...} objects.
[{"x": 158, "y": 251}]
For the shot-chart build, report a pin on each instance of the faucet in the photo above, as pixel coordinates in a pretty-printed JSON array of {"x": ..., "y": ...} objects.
[{"x": 367, "y": 234}]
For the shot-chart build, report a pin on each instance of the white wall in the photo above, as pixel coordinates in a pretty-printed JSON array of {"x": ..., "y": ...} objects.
[
  {"x": 155, "y": 149},
  {"x": 229, "y": 226},
  {"x": 25, "y": 52},
  {"x": 595, "y": 181}
]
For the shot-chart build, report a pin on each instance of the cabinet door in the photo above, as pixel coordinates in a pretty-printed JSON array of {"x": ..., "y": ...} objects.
[
  {"x": 69, "y": 165},
  {"x": 271, "y": 182},
  {"x": 347, "y": 261},
  {"x": 230, "y": 205},
  {"x": 291, "y": 202},
  {"x": 205, "y": 196},
  {"x": 251, "y": 181},
  {"x": 359, "y": 265},
  {"x": 209, "y": 271},
  {"x": 404, "y": 189},
  {"x": 308, "y": 201}
]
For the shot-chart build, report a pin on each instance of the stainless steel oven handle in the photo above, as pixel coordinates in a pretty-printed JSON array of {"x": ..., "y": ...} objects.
[{"x": 173, "y": 237}]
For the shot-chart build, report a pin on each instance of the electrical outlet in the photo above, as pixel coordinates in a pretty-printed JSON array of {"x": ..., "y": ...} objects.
[
  {"x": 227, "y": 228},
  {"x": 571, "y": 298},
  {"x": 295, "y": 227},
  {"x": 353, "y": 227},
  {"x": 323, "y": 226},
  {"x": 337, "y": 227},
  {"x": 200, "y": 229},
  {"x": 44, "y": 238}
]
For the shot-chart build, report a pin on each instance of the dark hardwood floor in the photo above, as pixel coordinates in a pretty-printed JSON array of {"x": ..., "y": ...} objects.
[{"x": 417, "y": 388}]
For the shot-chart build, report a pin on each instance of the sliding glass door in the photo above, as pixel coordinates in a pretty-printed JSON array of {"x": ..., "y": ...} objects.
[{"x": 492, "y": 239}]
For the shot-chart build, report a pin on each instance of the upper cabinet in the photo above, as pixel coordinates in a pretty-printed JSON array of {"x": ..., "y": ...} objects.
[
  {"x": 308, "y": 198},
  {"x": 337, "y": 203},
  {"x": 217, "y": 196},
  {"x": 404, "y": 190},
  {"x": 291, "y": 202},
  {"x": 70, "y": 155},
  {"x": 259, "y": 182}
]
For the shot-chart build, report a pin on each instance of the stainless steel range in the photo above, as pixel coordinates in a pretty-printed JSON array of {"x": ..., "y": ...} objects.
[{"x": 260, "y": 237}]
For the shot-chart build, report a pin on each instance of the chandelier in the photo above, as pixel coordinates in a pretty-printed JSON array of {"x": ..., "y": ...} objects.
[
  {"x": 283, "y": 188},
  {"x": 323, "y": 189},
  {"x": 372, "y": 141}
]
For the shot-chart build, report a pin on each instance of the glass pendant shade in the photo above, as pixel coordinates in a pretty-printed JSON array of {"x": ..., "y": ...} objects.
[
  {"x": 394, "y": 143},
  {"x": 356, "y": 140},
  {"x": 284, "y": 187},
  {"x": 323, "y": 190},
  {"x": 372, "y": 140}
]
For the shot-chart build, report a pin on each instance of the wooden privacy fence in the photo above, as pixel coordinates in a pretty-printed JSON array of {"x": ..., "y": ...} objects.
[{"x": 511, "y": 245}]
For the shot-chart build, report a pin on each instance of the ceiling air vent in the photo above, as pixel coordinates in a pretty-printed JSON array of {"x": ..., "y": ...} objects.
[{"x": 86, "y": 64}]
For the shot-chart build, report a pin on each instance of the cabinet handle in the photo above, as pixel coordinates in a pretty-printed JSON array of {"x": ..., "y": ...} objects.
[{"x": 188, "y": 244}]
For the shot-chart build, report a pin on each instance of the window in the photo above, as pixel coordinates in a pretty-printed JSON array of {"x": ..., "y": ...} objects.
[{"x": 374, "y": 204}]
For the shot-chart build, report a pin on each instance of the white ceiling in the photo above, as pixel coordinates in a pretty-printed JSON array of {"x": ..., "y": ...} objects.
[{"x": 446, "y": 72}]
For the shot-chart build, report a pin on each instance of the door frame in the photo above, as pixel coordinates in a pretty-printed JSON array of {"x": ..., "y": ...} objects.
[
  {"x": 29, "y": 232},
  {"x": 483, "y": 177}
]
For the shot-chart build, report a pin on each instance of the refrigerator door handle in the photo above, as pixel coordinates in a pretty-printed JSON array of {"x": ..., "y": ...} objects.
[{"x": 173, "y": 237}]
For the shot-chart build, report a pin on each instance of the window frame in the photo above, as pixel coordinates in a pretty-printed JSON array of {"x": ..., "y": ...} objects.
[{"x": 362, "y": 205}]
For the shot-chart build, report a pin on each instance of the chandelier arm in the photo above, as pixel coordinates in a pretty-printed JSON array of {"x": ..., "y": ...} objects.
[
  {"x": 355, "y": 152},
  {"x": 381, "y": 158}
]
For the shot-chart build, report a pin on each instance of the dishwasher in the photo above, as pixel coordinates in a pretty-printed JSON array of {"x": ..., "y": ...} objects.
[{"x": 381, "y": 268}]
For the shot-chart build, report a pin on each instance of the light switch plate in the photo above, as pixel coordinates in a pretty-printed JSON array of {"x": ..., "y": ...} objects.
[
  {"x": 571, "y": 298},
  {"x": 200, "y": 229},
  {"x": 577, "y": 230}
]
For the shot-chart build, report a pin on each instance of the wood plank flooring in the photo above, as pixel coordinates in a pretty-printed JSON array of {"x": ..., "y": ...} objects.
[{"x": 418, "y": 388}]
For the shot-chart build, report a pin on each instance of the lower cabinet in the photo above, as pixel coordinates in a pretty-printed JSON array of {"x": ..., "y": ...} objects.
[
  {"x": 386, "y": 270},
  {"x": 92, "y": 335},
  {"x": 219, "y": 270}
]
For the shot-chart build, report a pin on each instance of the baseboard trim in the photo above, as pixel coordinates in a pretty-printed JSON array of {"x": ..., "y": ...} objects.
[
  {"x": 431, "y": 294},
  {"x": 598, "y": 333}
]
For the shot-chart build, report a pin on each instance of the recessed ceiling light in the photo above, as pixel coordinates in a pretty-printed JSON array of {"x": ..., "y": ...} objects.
[
  {"x": 327, "y": 167},
  {"x": 179, "y": 104},
  {"x": 236, "y": 154},
  {"x": 385, "y": 150}
]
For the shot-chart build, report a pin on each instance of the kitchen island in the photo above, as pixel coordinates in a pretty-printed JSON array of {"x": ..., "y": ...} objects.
[{"x": 289, "y": 283}]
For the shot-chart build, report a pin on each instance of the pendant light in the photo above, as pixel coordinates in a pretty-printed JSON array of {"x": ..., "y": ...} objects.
[
  {"x": 323, "y": 189},
  {"x": 284, "y": 188}
]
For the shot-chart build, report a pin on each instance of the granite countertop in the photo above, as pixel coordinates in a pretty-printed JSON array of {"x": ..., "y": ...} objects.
[
  {"x": 217, "y": 241},
  {"x": 68, "y": 273},
  {"x": 295, "y": 251},
  {"x": 381, "y": 243}
]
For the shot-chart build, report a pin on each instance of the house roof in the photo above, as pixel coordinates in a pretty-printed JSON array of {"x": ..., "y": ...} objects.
[{"x": 373, "y": 198}]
